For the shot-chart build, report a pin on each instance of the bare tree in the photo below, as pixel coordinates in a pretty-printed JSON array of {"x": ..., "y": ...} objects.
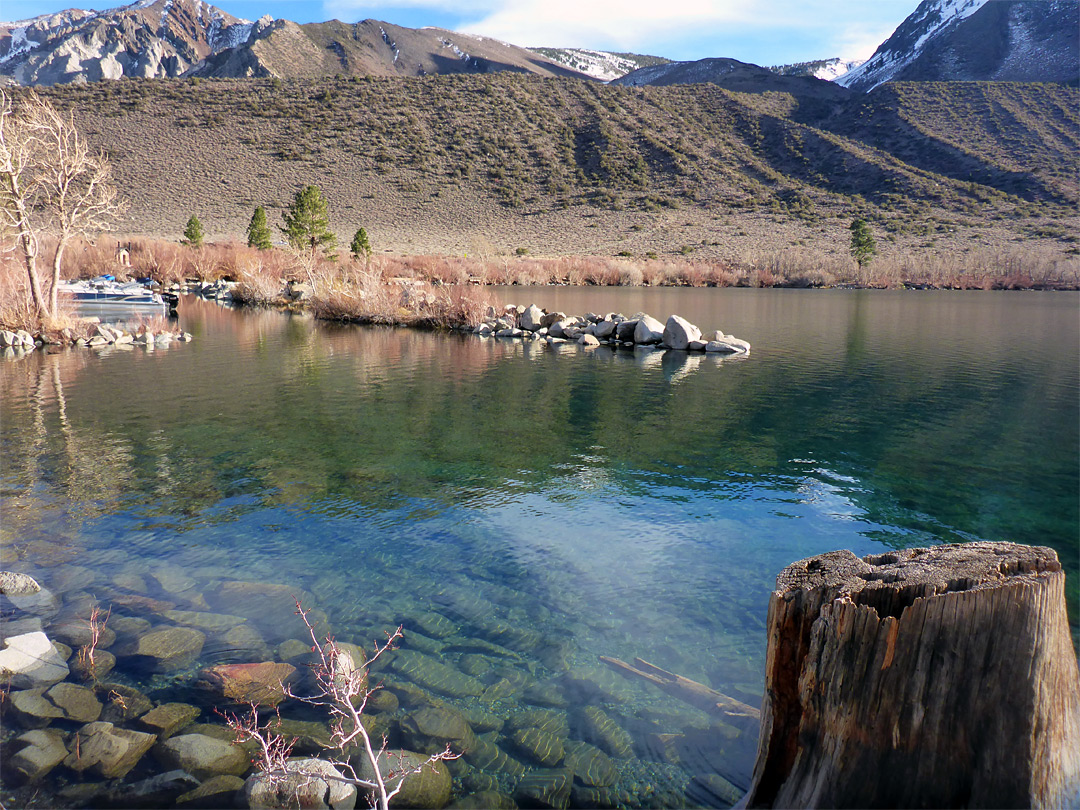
[
  {"x": 51, "y": 182},
  {"x": 17, "y": 149}
]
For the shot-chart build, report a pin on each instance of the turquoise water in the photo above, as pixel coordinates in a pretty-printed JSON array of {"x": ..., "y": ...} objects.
[{"x": 566, "y": 504}]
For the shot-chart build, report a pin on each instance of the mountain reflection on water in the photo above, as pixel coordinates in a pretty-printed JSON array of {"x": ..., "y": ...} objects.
[{"x": 563, "y": 504}]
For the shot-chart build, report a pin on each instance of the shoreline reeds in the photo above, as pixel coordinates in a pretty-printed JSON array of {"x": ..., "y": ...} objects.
[{"x": 446, "y": 291}]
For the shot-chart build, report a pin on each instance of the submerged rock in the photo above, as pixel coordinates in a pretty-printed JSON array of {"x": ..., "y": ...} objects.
[
  {"x": 590, "y": 765},
  {"x": 600, "y": 729},
  {"x": 431, "y": 674},
  {"x": 165, "y": 649},
  {"x": 213, "y": 793},
  {"x": 30, "y": 660},
  {"x": 168, "y": 718},
  {"x": 14, "y": 584},
  {"x": 202, "y": 756},
  {"x": 427, "y": 790},
  {"x": 431, "y": 729},
  {"x": 107, "y": 751},
  {"x": 303, "y": 787},
  {"x": 36, "y": 753},
  {"x": 539, "y": 746},
  {"x": 263, "y": 683},
  {"x": 548, "y": 788}
]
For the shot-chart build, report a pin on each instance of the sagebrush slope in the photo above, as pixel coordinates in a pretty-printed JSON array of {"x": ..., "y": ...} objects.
[{"x": 500, "y": 161}]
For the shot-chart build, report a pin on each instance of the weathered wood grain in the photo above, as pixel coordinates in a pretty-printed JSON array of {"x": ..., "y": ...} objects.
[{"x": 942, "y": 677}]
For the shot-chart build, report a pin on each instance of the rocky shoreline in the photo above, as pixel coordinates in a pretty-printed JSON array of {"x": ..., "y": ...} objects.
[
  {"x": 15, "y": 344},
  {"x": 611, "y": 329},
  {"x": 126, "y": 709}
]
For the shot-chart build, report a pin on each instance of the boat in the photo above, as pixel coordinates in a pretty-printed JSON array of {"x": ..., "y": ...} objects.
[{"x": 106, "y": 297}]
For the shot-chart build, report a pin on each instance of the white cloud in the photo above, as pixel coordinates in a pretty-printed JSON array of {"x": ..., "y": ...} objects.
[
  {"x": 764, "y": 28},
  {"x": 613, "y": 23}
]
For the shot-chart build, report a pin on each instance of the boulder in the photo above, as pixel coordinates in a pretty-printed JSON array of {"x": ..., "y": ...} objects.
[
  {"x": 77, "y": 703},
  {"x": 485, "y": 800},
  {"x": 558, "y": 328},
  {"x": 727, "y": 346},
  {"x": 41, "y": 602},
  {"x": 202, "y": 756},
  {"x": 161, "y": 790},
  {"x": 92, "y": 669},
  {"x": 212, "y": 794},
  {"x": 590, "y": 765},
  {"x": 302, "y": 787},
  {"x": 122, "y": 703},
  {"x": 431, "y": 729},
  {"x": 429, "y": 789},
  {"x": 168, "y": 718},
  {"x": 605, "y": 329},
  {"x": 107, "y": 751},
  {"x": 697, "y": 345},
  {"x": 624, "y": 331},
  {"x": 269, "y": 605},
  {"x": 263, "y": 683},
  {"x": 431, "y": 624},
  {"x": 648, "y": 330},
  {"x": 9, "y": 338},
  {"x": 600, "y": 729},
  {"x": 543, "y": 787},
  {"x": 486, "y": 756},
  {"x": 14, "y": 584},
  {"x": 209, "y": 623},
  {"x": 550, "y": 318},
  {"x": 431, "y": 674},
  {"x": 679, "y": 332},
  {"x": 531, "y": 319},
  {"x": 164, "y": 649},
  {"x": 713, "y": 790},
  {"x": 35, "y": 754},
  {"x": 30, "y": 660},
  {"x": 588, "y": 341},
  {"x": 30, "y": 708},
  {"x": 539, "y": 746},
  {"x": 78, "y": 633}
]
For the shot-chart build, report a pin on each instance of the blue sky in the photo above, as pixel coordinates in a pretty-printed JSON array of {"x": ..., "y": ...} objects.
[{"x": 766, "y": 32}]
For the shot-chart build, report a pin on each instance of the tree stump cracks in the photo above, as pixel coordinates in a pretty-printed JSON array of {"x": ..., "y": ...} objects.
[{"x": 939, "y": 677}]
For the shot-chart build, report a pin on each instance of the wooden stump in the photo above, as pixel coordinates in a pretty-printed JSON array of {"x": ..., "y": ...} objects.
[{"x": 940, "y": 677}]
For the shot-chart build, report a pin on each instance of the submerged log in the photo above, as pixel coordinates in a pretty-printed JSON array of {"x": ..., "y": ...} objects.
[
  {"x": 694, "y": 693},
  {"x": 941, "y": 677}
]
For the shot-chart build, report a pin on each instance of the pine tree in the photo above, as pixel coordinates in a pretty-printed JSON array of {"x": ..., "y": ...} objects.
[
  {"x": 258, "y": 232},
  {"x": 307, "y": 223},
  {"x": 193, "y": 233},
  {"x": 863, "y": 247},
  {"x": 360, "y": 247}
]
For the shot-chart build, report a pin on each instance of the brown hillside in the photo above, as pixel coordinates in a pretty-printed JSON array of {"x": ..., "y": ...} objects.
[{"x": 493, "y": 163}]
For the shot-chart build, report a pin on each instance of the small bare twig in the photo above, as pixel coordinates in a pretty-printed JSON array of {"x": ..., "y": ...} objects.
[{"x": 86, "y": 653}]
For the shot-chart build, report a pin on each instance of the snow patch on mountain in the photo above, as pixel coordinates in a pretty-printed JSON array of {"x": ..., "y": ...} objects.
[
  {"x": 930, "y": 20},
  {"x": 827, "y": 69}
]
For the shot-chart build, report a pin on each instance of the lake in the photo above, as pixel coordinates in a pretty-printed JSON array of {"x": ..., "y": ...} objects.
[{"x": 523, "y": 509}]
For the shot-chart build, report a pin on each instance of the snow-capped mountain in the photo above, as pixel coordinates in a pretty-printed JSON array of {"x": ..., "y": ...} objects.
[
  {"x": 977, "y": 40},
  {"x": 827, "y": 69},
  {"x": 731, "y": 74},
  {"x": 602, "y": 65},
  {"x": 160, "y": 38},
  {"x": 148, "y": 38}
]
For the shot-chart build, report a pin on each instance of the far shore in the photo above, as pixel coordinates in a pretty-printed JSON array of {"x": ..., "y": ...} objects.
[{"x": 448, "y": 292}]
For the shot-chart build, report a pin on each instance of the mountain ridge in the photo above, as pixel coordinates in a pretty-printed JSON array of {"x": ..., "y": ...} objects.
[{"x": 977, "y": 40}]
